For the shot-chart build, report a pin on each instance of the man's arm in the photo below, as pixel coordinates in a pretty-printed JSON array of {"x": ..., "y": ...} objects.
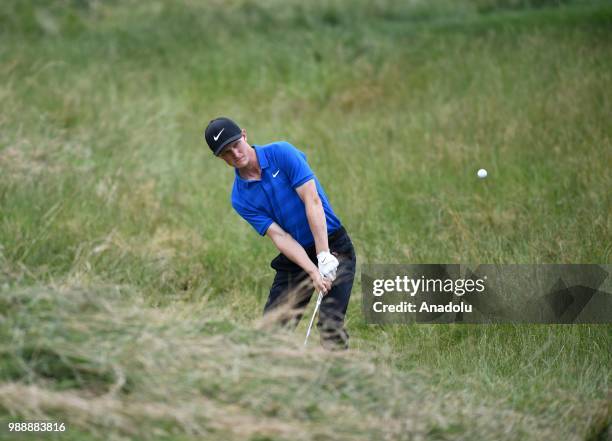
[
  {"x": 328, "y": 264},
  {"x": 315, "y": 214},
  {"x": 296, "y": 253}
]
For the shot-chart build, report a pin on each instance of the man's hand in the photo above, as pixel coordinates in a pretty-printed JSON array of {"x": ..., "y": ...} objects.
[
  {"x": 320, "y": 283},
  {"x": 328, "y": 265}
]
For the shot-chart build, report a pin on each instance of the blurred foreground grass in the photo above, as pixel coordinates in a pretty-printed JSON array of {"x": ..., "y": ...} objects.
[
  {"x": 110, "y": 366},
  {"x": 130, "y": 289}
]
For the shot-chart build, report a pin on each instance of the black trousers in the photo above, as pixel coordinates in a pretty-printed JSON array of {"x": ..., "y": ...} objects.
[{"x": 292, "y": 290}]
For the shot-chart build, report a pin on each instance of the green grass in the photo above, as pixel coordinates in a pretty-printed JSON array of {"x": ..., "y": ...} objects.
[{"x": 129, "y": 289}]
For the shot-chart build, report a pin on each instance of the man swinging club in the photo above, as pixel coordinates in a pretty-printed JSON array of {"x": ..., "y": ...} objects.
[{"x": 278, "y": 194}]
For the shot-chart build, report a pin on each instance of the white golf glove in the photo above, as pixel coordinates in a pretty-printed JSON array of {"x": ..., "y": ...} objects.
[{"x": 328, "y": 265}]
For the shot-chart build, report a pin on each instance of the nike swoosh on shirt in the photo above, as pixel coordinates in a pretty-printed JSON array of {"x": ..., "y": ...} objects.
[
  {"x": 277, "y": 172},
  {"x": 218, "y": 134}
]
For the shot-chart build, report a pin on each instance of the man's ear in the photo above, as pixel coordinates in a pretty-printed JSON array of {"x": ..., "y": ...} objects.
[{"x": 244, "y": 135}]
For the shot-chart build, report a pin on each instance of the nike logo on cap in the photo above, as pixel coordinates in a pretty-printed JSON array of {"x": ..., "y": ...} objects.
[
  {"x": 277, "y": 172},
  {"x": 218, "y": 134}
]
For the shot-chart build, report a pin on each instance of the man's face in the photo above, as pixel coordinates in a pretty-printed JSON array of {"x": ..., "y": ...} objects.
[{"x": 236, "y": 154}]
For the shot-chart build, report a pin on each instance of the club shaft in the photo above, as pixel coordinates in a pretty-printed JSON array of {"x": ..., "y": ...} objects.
[{"x": 319, "y": 298}]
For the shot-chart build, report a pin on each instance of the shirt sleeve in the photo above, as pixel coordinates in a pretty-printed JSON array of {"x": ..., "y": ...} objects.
[
  {"x": 293, "y": 163},
  {"x": 258, "y": 220}
]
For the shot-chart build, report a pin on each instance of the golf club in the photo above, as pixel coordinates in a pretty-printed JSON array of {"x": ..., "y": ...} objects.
[{"x": 319, "y": 298}]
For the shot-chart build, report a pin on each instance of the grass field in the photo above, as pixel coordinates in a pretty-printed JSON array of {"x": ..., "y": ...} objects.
[{"x": 131, "y": 292}]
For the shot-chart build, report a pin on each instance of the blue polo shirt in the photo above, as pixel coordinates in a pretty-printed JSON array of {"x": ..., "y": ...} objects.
[{"x": 273, "y": 197}]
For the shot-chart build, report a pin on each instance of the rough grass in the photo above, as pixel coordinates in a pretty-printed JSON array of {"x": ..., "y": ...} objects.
[
  {"x": 130, "y": 292},
  {"x": 105, "y": 363}
]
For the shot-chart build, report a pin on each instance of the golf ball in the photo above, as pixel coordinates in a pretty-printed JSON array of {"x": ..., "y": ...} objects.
[{"x": 482, "y": 173}]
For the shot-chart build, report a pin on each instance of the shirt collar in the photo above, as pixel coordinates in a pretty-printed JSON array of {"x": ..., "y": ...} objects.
[{"x": 261, "y": 157}]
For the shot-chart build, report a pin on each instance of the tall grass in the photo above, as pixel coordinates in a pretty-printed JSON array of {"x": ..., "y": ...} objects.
[
  {"x": 115, "y": 222},
  {"x": 110, "y": 366}
]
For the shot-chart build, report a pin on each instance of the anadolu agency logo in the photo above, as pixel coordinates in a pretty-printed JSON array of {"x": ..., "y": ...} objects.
[
  {"x": 487, "y": 293},
  {"x": 410, "y": 286}
]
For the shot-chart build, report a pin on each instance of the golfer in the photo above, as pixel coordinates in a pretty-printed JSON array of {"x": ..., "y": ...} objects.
[{"x": 276, "y": 191}]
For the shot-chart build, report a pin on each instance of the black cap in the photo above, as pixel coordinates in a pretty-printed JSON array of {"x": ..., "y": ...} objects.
[{"x": 220, "y": 132}]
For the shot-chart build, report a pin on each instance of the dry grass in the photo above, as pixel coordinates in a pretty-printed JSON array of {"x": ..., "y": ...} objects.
[{"x": 104, "y": 362}]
